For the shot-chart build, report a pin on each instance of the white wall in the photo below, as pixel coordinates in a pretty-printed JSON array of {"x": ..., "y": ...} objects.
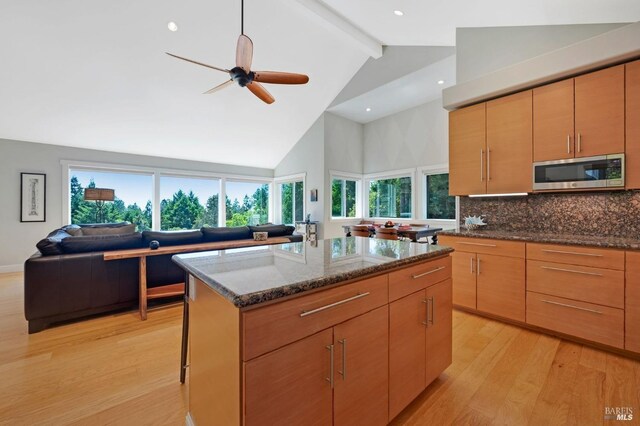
[
  {"x": 16, "y": 157},
  {"x": 413, "y": 138},
  {"x": 343, "y": 152},
  {"x": 483, "y": 50},
  {"x": 307, "y": 156}
]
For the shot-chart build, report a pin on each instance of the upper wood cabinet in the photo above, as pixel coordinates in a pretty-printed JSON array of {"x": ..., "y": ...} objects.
[
  {"x": 467, "y": 151},
  {"x": 580, "y": 117},
  {"x": 509, "y": 144},
  {"x": 633, "y": 125},
  {"x": 490, "y": 147}
]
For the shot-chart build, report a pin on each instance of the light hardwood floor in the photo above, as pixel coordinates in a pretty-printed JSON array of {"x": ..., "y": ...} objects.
[{"x": 118, "y": 370}]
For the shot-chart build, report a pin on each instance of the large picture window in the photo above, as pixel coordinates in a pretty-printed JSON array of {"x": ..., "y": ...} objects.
[
  {"x": 132, "y": 197},
  {"x": 439, "y": 204},
  {"x": 247, "y": 203},
  {"x": 390, "y": 197},
  {"x": 291, "y": 202},
  {"x": 343, "y": 197},
  {"x": 188, "y": 202}
]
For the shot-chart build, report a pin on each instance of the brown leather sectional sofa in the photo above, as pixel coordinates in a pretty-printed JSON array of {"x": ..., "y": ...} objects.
[{"x": 68, "y": 279}]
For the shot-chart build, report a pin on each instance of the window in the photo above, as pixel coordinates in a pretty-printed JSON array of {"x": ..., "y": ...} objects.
[
  {"x": 291, "y": 202},
  {"x": 247, "y": 203},
  {"x": 188, "y": 202},
  {"x": 343, "y": 197},
  {"x": 132, "y": 201},
  {"x": 439, "y": 204},
  {"x": 390, "y": 197}
]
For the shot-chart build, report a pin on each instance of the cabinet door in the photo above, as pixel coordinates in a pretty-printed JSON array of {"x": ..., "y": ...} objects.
[
  {"x": 510, "y": 143},
  {"x": 463, "y": 273},
  {"x": 290, "y": 386},
  {"x": 553, "y": 121},
  {"x": 632, "y": 109},
  {"x": 439, "y": 324},
  {"x": 599, "y": 109},
  {"x": 407, "y": 350},
  {"x": 467, "y": 151},
  {"x": 632, "y": 306},
  {"x": 501, "y": 286},
  {"x": 361, "y": 366}
]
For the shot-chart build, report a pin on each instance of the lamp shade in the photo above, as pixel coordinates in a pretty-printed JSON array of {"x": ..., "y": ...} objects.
[{"x": 99, "y": 194}]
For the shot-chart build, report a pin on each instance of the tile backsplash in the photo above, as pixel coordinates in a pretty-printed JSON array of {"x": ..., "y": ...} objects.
[{"x": 613, "y": 214}]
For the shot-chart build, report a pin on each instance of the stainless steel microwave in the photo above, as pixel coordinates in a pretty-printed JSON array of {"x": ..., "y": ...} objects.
[{"x": 602, "y": 171}]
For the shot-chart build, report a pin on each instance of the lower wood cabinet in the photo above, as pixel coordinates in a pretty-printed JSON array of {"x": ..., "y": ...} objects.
[
  {"x": 632, "y": 303},
  {"x": 419, "y": 342},
  {"x": 464, "y": 279}
]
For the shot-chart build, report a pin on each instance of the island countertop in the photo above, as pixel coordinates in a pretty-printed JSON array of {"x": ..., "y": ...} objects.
[{"x": 253, "y": 275}]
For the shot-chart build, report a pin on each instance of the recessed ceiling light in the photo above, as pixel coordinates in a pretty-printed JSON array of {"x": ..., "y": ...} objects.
[
  {"x": 398, "y": 12},
  {"x": 368, "y": 109},
  {"x": 172, "y": 26},
  {"x": 440, "y": 81}
]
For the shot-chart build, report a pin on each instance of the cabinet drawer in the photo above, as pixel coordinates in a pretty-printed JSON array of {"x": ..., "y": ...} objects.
[
  {"x": 484, "y": 245},
  {"x": 410, "y": 280},
  {"x": 575, "y": 255},
  {"x": 595, "y": 285},
  {"x": 274, "y": 326},
  {"x": 591, "y": 322}
]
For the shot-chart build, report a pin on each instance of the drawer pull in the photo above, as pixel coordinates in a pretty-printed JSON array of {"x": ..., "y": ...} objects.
[
  {"x": 572, "y": 306},
  {"x": 572, "y": 252},
  {"x": 477, "y": 244},
  {"x": 572, "y": 271},
  {"x": 331, "y": 305},
  {"x": 427, "y": 273}
]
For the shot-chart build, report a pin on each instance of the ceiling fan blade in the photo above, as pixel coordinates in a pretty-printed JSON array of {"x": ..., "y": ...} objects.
[
  {"x": 276, "y": 77},
  {"x": 259, "y": 90},
  {"x": 244, "y": 53},
  {"x": 218, "y": 87},
  {"x": 197, "y": 63}
]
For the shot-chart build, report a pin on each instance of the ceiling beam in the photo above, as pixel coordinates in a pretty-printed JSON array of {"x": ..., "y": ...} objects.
[{"x": 332, "y": 20}]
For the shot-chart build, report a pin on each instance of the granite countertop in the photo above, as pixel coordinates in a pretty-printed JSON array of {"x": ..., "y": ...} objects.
[
  {"x": 601, "y": 241},
  {"x": 253, "y": 275}
]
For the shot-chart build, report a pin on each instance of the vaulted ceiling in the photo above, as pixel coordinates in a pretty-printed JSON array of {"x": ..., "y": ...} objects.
[{"x": 94, "y": 74}]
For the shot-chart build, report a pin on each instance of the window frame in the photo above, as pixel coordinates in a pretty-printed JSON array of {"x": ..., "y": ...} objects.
[
  {"x": 423, "y": 173},
  {"x": 410, "y": 173},
  {"x": 277, "y": 182},
  {"x": 358, "y": 178}
]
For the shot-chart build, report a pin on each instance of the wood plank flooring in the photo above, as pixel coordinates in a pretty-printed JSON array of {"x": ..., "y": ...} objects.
[{"x": 118, "y": 370}]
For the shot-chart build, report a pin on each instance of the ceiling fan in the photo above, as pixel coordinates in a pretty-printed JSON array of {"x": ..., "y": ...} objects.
[{"x": 242, "y": 73}]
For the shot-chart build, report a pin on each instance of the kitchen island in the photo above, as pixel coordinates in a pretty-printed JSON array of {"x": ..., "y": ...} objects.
[{"x": 349, "y": 331}]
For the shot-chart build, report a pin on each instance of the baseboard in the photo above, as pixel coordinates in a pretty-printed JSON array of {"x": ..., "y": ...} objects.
[
  {"x": 189, "y": 420},
  {"x": 11, "y": 268}
]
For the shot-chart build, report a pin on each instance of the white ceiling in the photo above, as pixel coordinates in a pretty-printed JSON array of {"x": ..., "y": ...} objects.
[{"x": 94, "y": 74}]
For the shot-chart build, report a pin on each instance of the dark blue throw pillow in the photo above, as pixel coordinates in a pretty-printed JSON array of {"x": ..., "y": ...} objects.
[{"x": 212, "y": 235}]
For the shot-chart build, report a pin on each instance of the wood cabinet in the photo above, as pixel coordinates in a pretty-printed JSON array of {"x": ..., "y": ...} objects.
[
  {"x": 632, "y": 111},
  {"x": 467, "y": 150},
  {"x": 421, "y": 322},
  {"x": 580, "y": 117},
  {"x": 509, "y": 144},
  {"x": 488, "y": 275},
  {"x": 632, "y": 303}
]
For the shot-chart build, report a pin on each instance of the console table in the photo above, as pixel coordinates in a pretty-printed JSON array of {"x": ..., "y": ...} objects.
[{"x": 176, "y": 289}]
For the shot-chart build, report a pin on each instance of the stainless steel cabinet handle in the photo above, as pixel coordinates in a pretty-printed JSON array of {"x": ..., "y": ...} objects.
[
  {"x": 568, "y": 144},
  {"x": 471, "y": 259},
  {"x": 478, "y": 268},
  {"x": 426, "y": 303},
  {"x": 571, "y": 270},
  {"x": 428, "y": 272},
  {"x": 572, "y": 252},
  {"x": 433, "y": 310},
  {"x": 331, "y": 305},
  {"x": 330, "y": 378},
  {"x": 477, "y": 244},
  {"x": 482, "y": 165},
  {"x": 488, "y": 164},
  {"x": 343, "y": 373},
  {"x": 572, "y": 306},
  {"x": 579, "y": 142}
]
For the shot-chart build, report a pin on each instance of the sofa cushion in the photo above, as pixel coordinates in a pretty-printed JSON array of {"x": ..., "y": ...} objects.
[
  {"x": 51, "y": 244},
  {"x": 274, "y": 230},
  {"x": 108, "y": 230},
  {"x": 89, "y": 243},
  {"x": 226, "y": 234},
  {"x": 73, "y": 230},
  {"x": 172, "y": 238}
]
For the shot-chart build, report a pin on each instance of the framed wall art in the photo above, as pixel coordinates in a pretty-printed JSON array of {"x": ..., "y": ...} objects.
[
  {"x": 313, "y": 195},
  {"x": 33, "y": 197}
]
